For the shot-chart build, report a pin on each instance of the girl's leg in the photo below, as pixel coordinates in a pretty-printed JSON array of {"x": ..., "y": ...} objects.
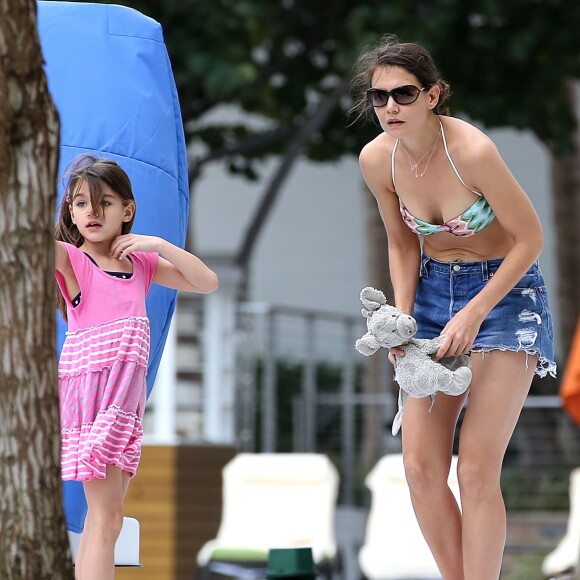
[
  {"x": 500, "y": 385},
  {"x": 81, "y": 550},
  {"x": 103, "y": 525},
  {"x": 427, "y": 451}
]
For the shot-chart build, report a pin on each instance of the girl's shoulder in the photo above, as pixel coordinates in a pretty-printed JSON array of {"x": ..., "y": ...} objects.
[
  {"x": 74, "y": 253},
  {"x": 67, "y": 245},
  {"x": 145, "y": 257},
  {"x": 146, "y": 262}
]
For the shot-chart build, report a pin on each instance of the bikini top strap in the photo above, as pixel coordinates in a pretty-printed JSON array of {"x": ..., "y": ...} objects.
[
  {"x": 453, "y": 164},
  {"x": 393, "y": 162}
]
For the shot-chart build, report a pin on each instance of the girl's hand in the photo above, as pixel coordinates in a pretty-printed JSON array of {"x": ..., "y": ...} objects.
[
  {"x": 393, "y": 352},
  {"x": 460, "y": 333},
  {"x": 124, "y": 245}
]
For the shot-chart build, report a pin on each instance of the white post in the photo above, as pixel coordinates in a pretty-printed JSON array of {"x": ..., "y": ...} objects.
[
  {"x": 164, "y": 391},
  {"x": 219, "y": 381}
]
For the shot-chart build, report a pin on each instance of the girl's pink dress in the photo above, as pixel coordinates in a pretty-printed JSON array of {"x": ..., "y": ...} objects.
[{"x": 102, "y": 368}]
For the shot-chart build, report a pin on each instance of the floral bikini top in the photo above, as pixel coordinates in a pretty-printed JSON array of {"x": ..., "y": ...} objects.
[{"x": 474, "y": 219}]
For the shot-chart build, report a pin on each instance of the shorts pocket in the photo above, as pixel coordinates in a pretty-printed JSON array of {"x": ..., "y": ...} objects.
[{"x": 531, "y": 279}]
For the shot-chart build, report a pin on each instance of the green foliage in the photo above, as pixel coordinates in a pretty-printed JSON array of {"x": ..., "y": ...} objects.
[
  {"x": 278, "y": 59},
  {"x": 536, "y": 490},
  {"x": 289, "y": 389},
  {"x": 527, "y": 567}
]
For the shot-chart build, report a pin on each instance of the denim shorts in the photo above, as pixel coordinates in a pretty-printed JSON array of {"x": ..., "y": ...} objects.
[{"x": 519, "y": 322}]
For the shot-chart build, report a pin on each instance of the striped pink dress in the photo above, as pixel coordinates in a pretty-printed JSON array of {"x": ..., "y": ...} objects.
[{"x": 102, "y": 368}]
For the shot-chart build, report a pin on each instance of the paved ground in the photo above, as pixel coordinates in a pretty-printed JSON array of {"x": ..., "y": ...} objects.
[
  {"x": 528, "y": 533},
  {"x": 350, "y": 533}
]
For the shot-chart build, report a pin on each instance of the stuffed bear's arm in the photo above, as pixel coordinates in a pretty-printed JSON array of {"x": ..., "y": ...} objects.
[{"x": 428, "y": 345}]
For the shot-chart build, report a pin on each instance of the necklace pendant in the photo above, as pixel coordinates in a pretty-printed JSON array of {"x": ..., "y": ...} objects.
[
  {"x": 419, "y": 174},
  {"x": 414, "y": 167}
]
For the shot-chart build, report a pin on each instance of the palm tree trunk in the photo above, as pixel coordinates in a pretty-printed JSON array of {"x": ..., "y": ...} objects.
[{"x": 33, "y": 540}]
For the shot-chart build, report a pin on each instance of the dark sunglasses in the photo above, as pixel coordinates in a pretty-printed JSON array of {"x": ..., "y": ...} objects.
[{"x": 404, "y": 95}]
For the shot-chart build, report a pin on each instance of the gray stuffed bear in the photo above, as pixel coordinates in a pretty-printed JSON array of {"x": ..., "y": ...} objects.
[{"x": 418, "y": 373}]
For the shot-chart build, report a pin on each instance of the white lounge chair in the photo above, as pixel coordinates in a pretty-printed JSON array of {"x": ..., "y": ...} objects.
[
  {"x": 274, "y": 500},
  {"x": 126, "y": 548},
  {"x": 394, "y": 546}
]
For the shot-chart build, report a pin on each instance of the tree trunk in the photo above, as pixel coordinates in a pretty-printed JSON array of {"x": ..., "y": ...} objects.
[
  {"x": 566, "y": 191},
  {"x": 378, "y": 382},
  {"x": 33, "y": 540},
  {"x": 311, "y": 126}
]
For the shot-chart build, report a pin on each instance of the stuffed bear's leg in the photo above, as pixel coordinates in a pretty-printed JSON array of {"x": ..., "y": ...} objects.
[
  {"x": 461, "y": 380},
  {"x": 398, "y": 420}
]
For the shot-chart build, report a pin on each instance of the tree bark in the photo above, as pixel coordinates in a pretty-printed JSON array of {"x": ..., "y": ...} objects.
[
  {"x": 33, "y": 540},
  {"x": 378, "y": 381},
  {"x": 310, "y": 127},
  {"x": 566, "y": 190},
  {"x": 566, "y": 193}
]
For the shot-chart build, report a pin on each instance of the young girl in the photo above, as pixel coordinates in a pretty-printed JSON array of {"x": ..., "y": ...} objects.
[
  {"x": 104, "y": 273},
  {"x": 463, "y": 241}
]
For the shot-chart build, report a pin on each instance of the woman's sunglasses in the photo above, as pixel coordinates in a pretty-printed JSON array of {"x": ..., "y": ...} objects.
[{"x": 404, "y": 95}]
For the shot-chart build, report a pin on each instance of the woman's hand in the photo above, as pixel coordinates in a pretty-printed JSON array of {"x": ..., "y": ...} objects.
[
  {"x": 124, "y": 245},
  {"x": 394, "y": 352},
  {"x": 460, "y": 333}
]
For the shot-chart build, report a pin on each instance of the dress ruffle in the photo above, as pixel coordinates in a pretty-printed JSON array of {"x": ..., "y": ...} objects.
[
  {"x": 114, "y": 438},
  {"x": 102, "y": 391}
]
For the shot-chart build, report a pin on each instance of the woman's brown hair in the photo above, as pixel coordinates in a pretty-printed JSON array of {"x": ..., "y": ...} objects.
[{"x": 389, "y": 51}]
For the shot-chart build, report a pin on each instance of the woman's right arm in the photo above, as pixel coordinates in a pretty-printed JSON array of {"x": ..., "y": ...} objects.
[{"x": 403, "y": 245}]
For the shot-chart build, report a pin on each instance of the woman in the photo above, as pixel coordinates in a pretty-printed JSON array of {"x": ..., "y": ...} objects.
[{"x": 463, "y": 242}]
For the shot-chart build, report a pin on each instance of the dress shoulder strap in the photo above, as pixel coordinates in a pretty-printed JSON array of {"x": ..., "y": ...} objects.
[
  {"x": 393, "y": 162},
  {"x": 453, "y": 164}
]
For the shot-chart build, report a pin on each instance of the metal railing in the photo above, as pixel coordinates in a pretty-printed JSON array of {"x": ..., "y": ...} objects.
[{"x": 269, "y": 334}]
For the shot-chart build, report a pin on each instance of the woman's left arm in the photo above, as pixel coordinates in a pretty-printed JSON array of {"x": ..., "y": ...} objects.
[
  {"x": 176, "y": 268},
  {"x": 517, "y": 216}
]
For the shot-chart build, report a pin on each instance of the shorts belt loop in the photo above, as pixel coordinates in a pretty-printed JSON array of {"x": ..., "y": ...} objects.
[{"x": 484, "y": 271}]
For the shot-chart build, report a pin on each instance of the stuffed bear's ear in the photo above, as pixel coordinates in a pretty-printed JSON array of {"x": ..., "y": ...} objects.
[
  {"x": 367, "y": 345},
  {"x": 372, "y": 298},
  {"x": 366, "y": 313}
]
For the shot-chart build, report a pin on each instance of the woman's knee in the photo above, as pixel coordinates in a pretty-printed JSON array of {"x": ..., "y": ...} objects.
[
  {"x": 477, "y": 480},
  {"x": 424, "y": 475}
]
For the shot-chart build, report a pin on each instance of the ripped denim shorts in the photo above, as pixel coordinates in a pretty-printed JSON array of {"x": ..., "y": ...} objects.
[{"x": 519, "y": 322}]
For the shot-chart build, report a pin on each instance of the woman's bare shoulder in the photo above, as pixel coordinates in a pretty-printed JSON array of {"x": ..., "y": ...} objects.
[
  {"x": 376, "y": 150},
  {"x": 465, "y": 141},
  {"x": 374, "y": 158}
]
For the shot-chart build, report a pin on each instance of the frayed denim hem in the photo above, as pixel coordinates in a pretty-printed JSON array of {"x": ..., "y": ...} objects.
[{"x": 544, "y": 366}]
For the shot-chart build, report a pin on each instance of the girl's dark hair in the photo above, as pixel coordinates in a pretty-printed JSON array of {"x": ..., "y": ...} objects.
[
  {"x": 389, "y": 51},
  {"x": 95, "y": 172}
]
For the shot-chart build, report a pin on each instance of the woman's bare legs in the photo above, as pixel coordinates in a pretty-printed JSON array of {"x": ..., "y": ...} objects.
[
  {"x": 95, "y": 558},
  {"x": 427, "y": 451},
  {"x": 468, "y": 546},
  {"x": 500, "y": 385}
]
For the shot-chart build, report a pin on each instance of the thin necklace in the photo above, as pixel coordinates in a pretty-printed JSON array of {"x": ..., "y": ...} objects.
[{"x": 414, "y": 164}]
